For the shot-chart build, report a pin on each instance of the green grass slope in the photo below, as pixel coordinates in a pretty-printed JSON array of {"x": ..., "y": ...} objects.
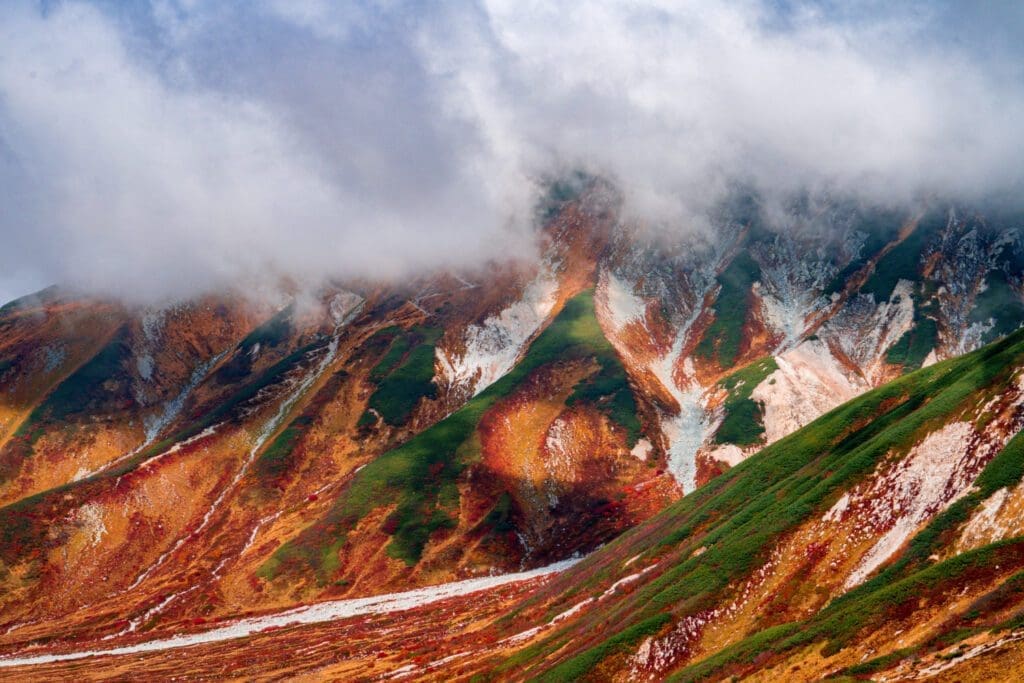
[
  {"x": 404, "y": 376},
  {"x": 724, "y": 336},
  {"x": 715, "y": 537},
  {"x": 743, "y": 421},
  {"x": 420, "y": 476}
]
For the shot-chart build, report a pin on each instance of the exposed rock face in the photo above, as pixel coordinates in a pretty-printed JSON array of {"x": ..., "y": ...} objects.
[
  {"x": 212, "y": 457},
  {"x": 842, "y": 302},
  {"x": 808, "y": 383}
]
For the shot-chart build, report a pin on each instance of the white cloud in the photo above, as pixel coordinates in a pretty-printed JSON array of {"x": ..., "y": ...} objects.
[{"x": 189, "y": 144}]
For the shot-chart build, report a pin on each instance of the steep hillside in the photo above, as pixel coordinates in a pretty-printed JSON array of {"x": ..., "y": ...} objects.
[
  {"x": 882, "y": 540},
  {"x": 883, "y": 531},
  {"x": 539, "y": 465},
  {"x": 210, "y": 458},
  {"x": 167, "y": 468},
  {"x": 756, "y": 329}
]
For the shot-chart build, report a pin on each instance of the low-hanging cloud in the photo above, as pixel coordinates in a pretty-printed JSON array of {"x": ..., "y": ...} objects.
[{"x": 161, "y": 148}]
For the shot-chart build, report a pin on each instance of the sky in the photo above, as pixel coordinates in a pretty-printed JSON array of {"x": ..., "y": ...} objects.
[{"x": 155, "y": 149}]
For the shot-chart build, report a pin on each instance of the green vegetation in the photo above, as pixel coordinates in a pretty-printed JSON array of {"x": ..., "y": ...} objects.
[
  {"x": 88, "y": 388},
  {"x": 99, "y": 386},
  {"x": 24, "y": 525},
  {"x": 999, "y": 303},
  {"x": 879, "y": 663},
  {"x": 275, "y": 460},
  {"x": 742, "y": 424},
  {"x": 225, "y": 409},
  {"x": 500, "y": 517},
  {"x": 913, "y": 347},
  {"x": 902, "y": 262},
  {"x": 405, "y": 374},
  {"x": 420, "y": 476},
  {"x": 724, "y": 336},
  {"x": 399, "y": 346},
  {"x": 740, "y": 516},
  {"x": 879, "y": 227},
  {"x": 270, "y": 334},
  {"x": 623, "y": 641},
  {"x": 608, "y": 389}
]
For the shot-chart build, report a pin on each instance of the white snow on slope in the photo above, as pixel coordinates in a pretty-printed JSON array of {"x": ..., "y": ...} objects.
[
  {"x": 154, "y": 424},
  {"x": 529, "y": 633},
  {"x": 297, "y": 387},
  {"x": 493, "y": 346},
  {"x": 935, "y": 474},
  {"x": 866, "y": 330},
  {"x": 90, "y": 517},
  {"x": 729, "y": 453},
  {"x": 786, "y": 318},
  {"x": 622, "y": 305},
  {"x": 312, "y": 614},
  {"x": 984, "y": 523},
  {"x": 344, "y": 307},
  {"x": 642, "y": 449},
  {"x": 209, "y": 431},
  {"x": 794, "y": 270},
  {"x": 152, "y": 328},
  {"x": 687, "y": 430},
  {"x": 808, "y": 383}
]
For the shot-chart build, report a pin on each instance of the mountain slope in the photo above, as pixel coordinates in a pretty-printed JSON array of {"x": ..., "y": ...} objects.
[
  {"x": 882, "y": 539},
  {"x": 165, "y": 468},
  {"x": 569, "y": 375},
  {"x": 846, "y": 528}
]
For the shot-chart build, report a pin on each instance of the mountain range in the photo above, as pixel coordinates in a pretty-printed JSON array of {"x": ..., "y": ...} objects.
[{"x": 780, "y": 446}]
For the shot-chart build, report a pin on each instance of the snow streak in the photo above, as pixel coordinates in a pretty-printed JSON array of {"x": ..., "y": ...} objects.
[{"x": 311, "y": 614}]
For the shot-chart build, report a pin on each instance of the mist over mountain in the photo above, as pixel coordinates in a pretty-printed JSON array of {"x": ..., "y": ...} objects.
[
  {"x": 155, "y": 149},
  {"x": 511, "y": 341}
]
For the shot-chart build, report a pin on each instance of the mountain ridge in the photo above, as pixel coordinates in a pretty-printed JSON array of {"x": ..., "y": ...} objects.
[{"x": 218, "y": 458}]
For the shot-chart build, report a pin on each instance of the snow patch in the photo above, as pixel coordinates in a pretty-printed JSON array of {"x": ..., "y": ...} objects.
[
  {"x": 729, "y": 453},
  {"x": 642, "y": 449},
  {"x": 808, "y": 383},
  {"x": 623, "y": 306},
  {"x": 793, "y": 274},
  {"x": 984, "y": 523},
  {"x": 54, "y": 356},
  {"x": 344, "y": 307},
  {"x": 209, "y": 431},
  {"x": 311, "y": 614},
  {"x": 837, "y": 511},
  {"x": 493, "y": 346},
  {"x": 90, "y": 517},
  {"x": 297, "y": 388},
  {"x": 156, "y": 423},
  {"x": 866, "y": 330},
  {"x": 687, "y": 430},
  {"x": 929, "y": 479},
  {"x": 625, "y": 581},
  {"x": 144, "y": 365}
]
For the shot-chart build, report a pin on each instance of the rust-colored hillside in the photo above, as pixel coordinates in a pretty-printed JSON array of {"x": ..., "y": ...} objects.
[{"x": 197, "y": 470}]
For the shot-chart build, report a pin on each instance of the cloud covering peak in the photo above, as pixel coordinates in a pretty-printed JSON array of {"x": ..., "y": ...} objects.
[{"x": 164, "y": 147}]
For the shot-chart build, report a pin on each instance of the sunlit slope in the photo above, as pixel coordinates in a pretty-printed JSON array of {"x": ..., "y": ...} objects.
[
  {"x": 844, "y": 533},
  {"x": 534, "y": 499}
]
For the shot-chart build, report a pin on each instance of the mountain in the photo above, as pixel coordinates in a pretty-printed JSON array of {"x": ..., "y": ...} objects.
[{"x": 785, "y": 445}]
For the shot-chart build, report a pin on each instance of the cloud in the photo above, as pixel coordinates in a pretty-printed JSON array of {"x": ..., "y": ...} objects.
[{"x": 165, "y": 147}]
